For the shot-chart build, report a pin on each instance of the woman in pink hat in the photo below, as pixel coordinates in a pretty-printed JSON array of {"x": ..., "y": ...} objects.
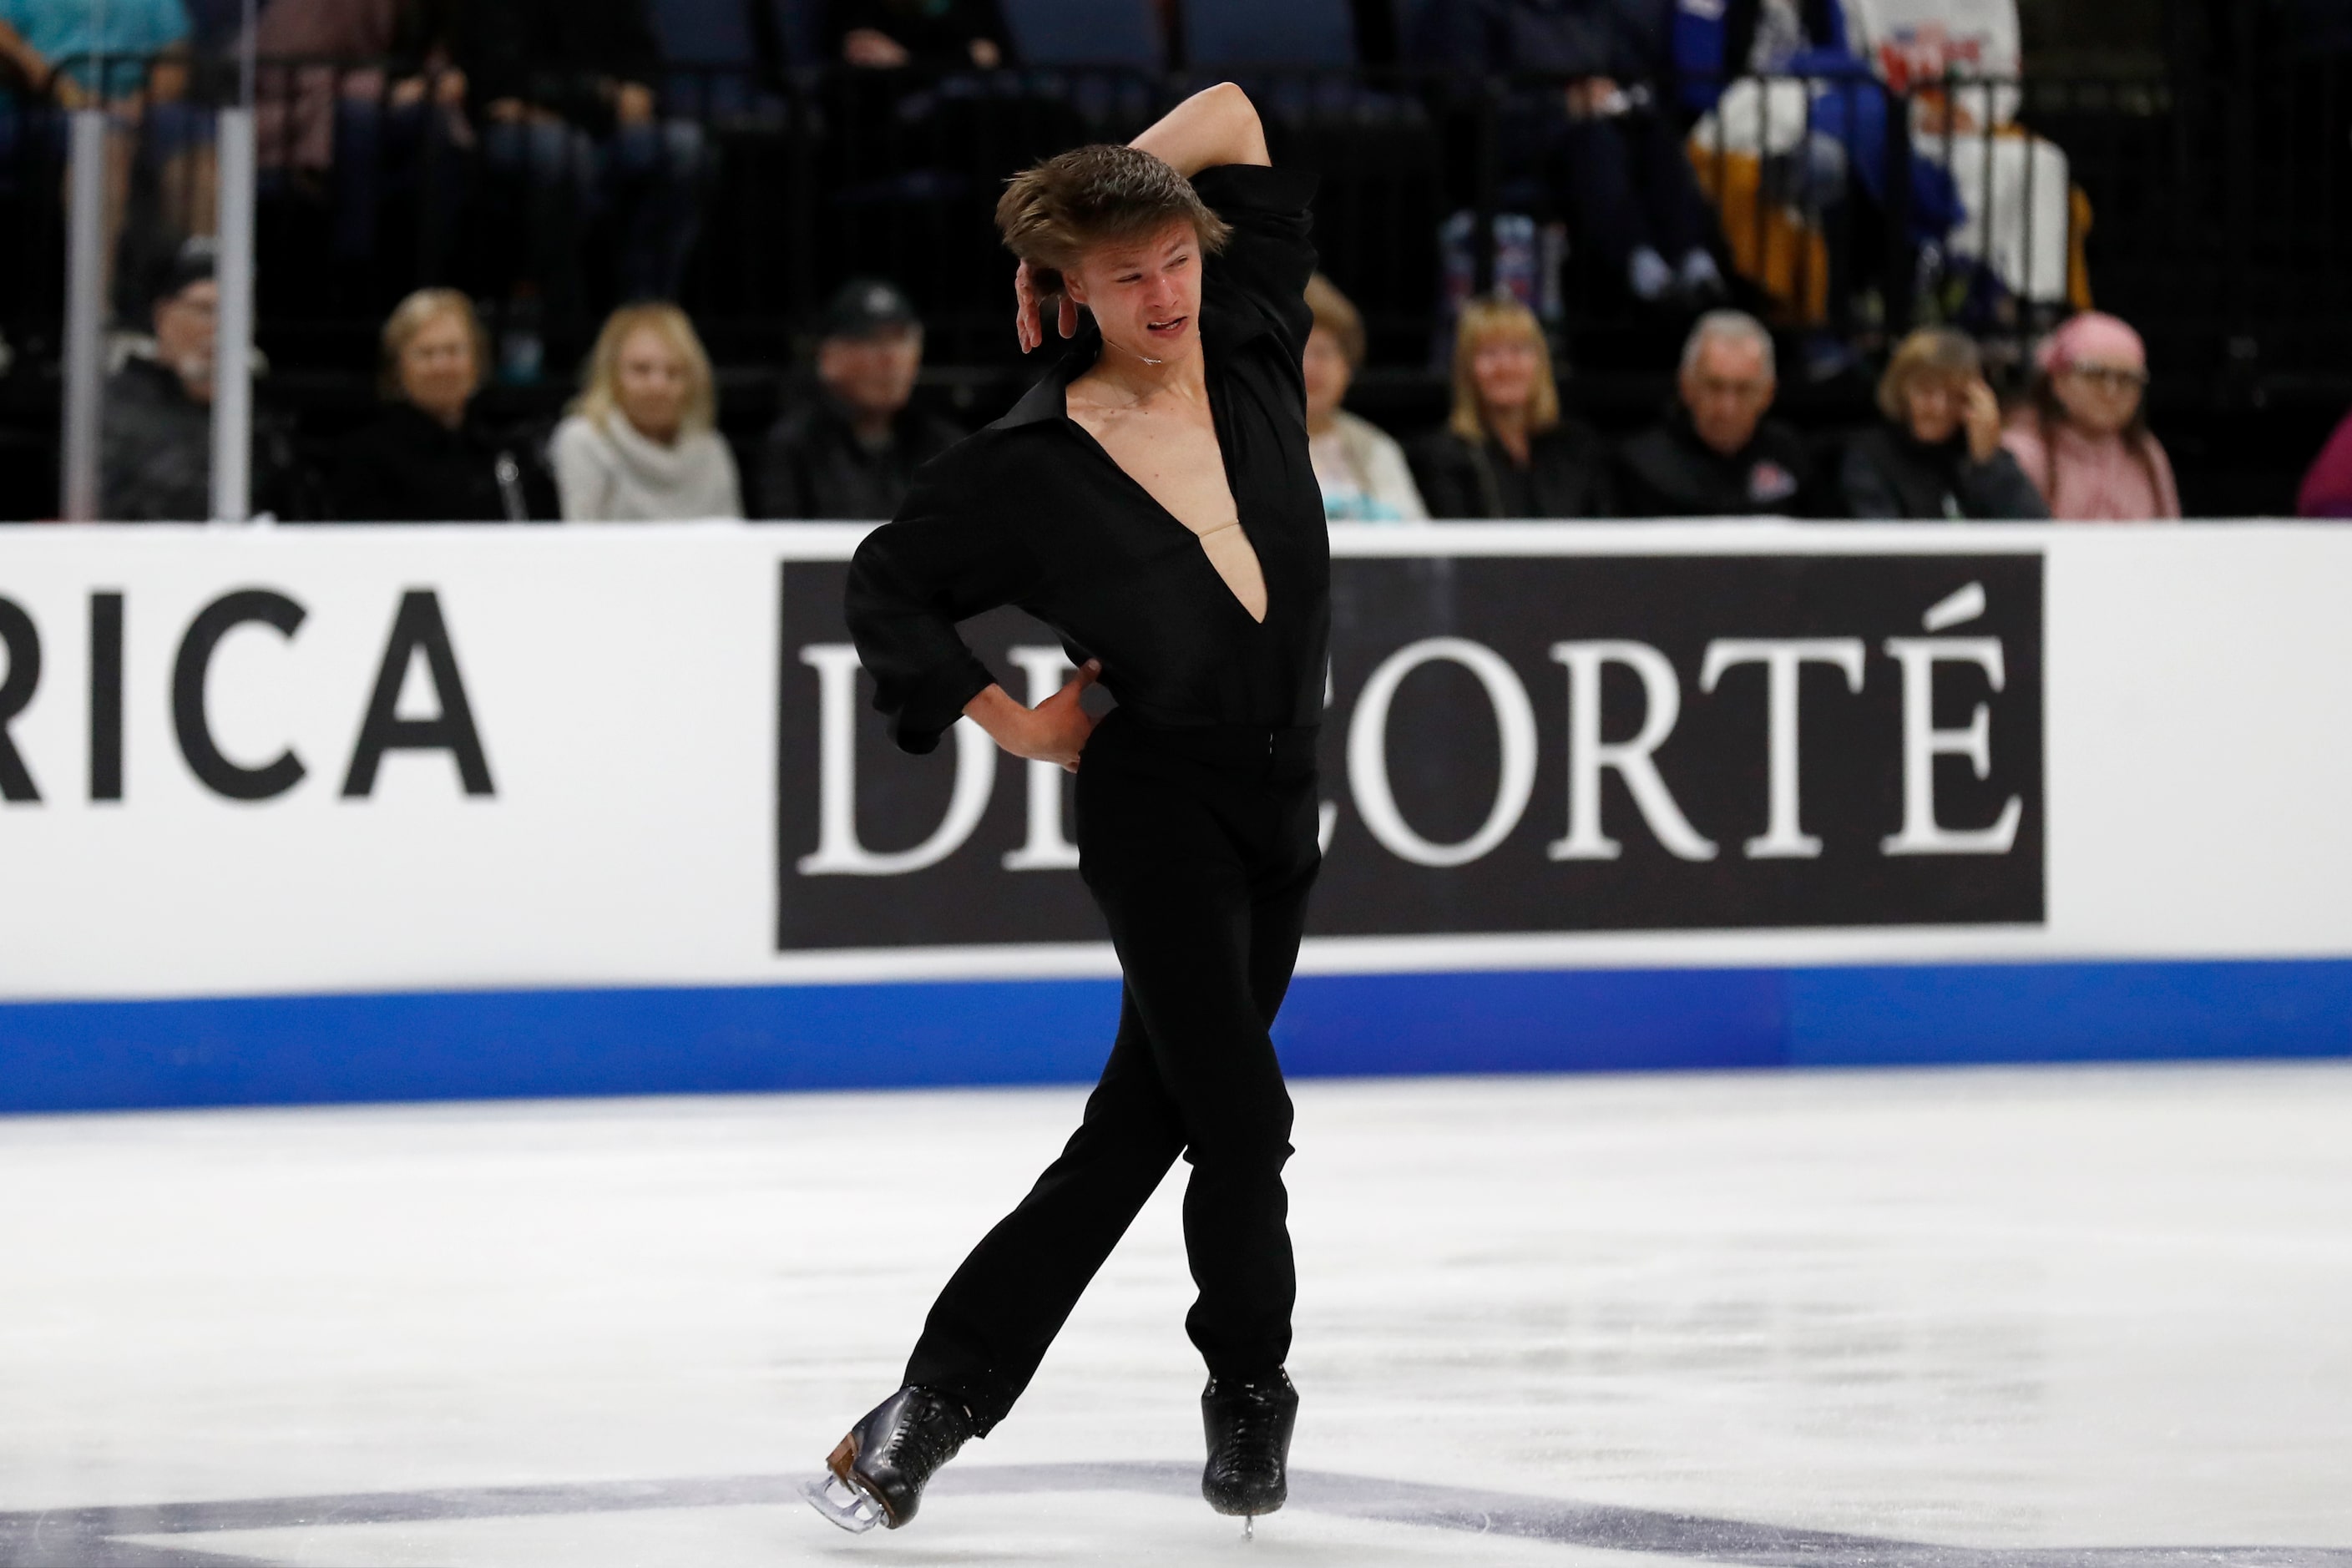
[{"x": 2083, "y": 436}]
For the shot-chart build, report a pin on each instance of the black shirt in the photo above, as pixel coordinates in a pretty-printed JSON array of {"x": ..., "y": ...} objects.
[
  {"x": 814, "y": 465},
  {"x": 1567, "y": 475},
  {"x": 1667, "y": 471},
  {"x": 408, "y": 467},
  {"x": 1889, "y": 473},
  {"x": 155, "y": 454},
  {"x": 1032, "y": 511}
]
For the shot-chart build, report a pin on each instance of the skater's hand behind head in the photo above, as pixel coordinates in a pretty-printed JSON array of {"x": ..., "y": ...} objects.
[{"x": 1028, "y": 319}]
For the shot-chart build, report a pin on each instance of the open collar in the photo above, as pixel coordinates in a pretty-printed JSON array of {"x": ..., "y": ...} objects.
[{"x": 1223, "y": 331}]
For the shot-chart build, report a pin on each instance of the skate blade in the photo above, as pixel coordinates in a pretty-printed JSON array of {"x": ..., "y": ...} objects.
[{"x": 842, "y": 1503}]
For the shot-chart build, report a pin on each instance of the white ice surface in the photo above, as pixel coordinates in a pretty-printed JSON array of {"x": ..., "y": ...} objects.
[{"x": 2094, "y": 1308}]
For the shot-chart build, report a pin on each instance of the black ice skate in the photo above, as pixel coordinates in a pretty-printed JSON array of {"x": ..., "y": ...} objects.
[
  {"x": 877, "y": 1474},
  {"x": 1249, "y": 1426}
]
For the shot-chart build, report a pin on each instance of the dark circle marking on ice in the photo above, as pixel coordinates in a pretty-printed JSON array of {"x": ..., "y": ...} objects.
[{"x": 94, "y": 1537}]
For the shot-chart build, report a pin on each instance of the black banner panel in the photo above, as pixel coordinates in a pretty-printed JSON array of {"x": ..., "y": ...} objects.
[{"x": 1513, "y": 744}]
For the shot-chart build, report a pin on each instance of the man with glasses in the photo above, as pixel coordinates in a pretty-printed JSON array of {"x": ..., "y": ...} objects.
[
  {"x": 1716, "y": 454},
  {"x": 155, "y": 435}
]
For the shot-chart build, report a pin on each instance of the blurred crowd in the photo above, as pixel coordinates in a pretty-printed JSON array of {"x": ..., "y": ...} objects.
[
  {"x": 640, "y": 441},
  {"x": 565, "y": 107},
  {"x": 2076, "y": 448}
]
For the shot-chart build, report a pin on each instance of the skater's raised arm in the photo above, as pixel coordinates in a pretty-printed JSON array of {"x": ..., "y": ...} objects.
[{"x": 1214, "y": 126}]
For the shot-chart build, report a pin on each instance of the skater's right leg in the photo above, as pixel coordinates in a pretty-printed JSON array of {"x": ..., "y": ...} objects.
[{"x": 990, "y": 1326}]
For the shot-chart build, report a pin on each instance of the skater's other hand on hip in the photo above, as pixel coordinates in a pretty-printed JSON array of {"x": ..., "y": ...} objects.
[{"x": 1055, "y": 731}]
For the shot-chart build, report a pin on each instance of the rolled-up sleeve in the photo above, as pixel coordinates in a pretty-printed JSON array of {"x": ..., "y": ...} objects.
[
  {"x": 1270, "y": 256},
  {"x": 910, "y": 582}
]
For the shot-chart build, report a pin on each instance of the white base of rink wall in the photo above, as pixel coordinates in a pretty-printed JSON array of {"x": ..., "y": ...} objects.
[
  {"x": 489, "y": 1044},
  {"x": 303, "y": 815}
]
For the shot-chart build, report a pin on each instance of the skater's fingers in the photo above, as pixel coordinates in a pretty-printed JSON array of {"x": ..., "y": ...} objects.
[
  {"x": 1028, "y": 328},
  {"x": 1073, "y": 688}
]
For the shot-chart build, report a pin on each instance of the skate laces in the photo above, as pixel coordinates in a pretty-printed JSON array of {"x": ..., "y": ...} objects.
[
  {"x": 1254, "y": 1413},
  {"x": 926, "y": 1436}
]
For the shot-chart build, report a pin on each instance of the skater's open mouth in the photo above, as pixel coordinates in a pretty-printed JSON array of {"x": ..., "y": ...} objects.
[{"x": 1167, "y": 328}]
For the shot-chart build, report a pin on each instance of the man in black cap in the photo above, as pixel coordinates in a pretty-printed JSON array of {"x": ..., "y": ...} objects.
[
  {"x": 155, "y": 435},
  {"x": 852, "y": 451}
]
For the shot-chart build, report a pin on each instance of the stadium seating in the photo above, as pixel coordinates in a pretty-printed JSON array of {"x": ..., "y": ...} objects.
[
  {"x": 1087, "y": 33},
  {"x": 1318, "y": 33}
]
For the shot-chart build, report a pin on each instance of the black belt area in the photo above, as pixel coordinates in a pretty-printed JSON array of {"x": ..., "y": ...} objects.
[{"x": 1284, "y": 750}]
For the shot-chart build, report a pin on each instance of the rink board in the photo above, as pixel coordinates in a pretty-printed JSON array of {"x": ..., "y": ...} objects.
[
  {"x": 300, "y": 816},
  {"x": 494, "y": 1044}
]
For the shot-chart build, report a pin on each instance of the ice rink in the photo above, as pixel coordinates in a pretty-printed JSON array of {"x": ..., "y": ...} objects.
[{"x": 2096, "y": 1315}]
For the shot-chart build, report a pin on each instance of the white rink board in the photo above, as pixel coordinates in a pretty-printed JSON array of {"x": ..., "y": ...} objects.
[{"x": 624, "y": 684}]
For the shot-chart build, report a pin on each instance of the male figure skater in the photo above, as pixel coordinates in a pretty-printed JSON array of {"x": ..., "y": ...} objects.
[{"x": 1152, "y": 500}]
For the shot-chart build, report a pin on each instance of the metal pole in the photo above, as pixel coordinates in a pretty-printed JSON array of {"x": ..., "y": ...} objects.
[
  {"x": 85, "y": 316},
  {"x": 233, "y": 271},
  {"x": 232, "y": 350}
]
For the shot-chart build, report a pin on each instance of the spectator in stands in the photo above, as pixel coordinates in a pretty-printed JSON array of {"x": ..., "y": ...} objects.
[
  {"x": 1506, "y": 451},
  {"x": 563, "y": 92},
  {"x": 358, "y": 119},
  {"x": 2082, "y": 438},
  {"x": 427, "y": 458},
  {"x": 2328, "y": 489},
  {"x": 638, "y": 444},
  {"x": 1938, "y": 454},
  {"x": 1362, "y": 469},
  {"x": 156, "y": 432},
  {"x": 1616, "y": 153},
  {"x": 129, "y": 56},
  {"x": 887, "y": 34},
  {"x": 851, "y": 451},
  {"x": 54, "y": 47},
  {"x": 1716, "y": 454}
]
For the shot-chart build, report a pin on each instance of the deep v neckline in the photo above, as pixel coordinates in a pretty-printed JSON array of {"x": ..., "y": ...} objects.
[{"x": 1224, "y": 465}]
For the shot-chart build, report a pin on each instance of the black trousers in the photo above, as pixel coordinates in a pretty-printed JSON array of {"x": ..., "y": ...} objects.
[{"x": 1200, "y": 847}]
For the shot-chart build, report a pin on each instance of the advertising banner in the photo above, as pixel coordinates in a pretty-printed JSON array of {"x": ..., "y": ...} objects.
[
  {"x": 325, "y": 814},
  {"x": 1624, "y": 743}
]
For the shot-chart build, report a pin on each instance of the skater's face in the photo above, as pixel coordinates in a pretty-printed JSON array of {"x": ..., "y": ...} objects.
[
  {"x": 2101, "y": 398},
  {"x": 1726, "y": 389},
  {"x": 1145, "y": 294},
  {"x": 653, "y": 382},
  {"x": 437, "y": 372}
]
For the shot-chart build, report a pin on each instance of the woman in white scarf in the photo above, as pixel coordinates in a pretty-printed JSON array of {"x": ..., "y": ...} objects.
[{"x": 638, "y": 445}]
